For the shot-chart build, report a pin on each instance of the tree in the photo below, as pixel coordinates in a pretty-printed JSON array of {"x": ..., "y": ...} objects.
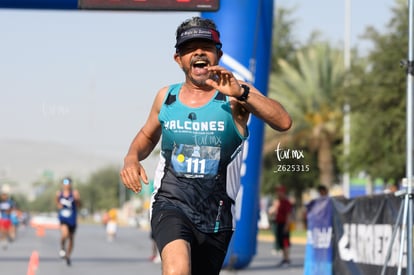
[
  {"x": 45, "y": 189},
  {"x": 22, "y": 203},
  {"x": 378, "y": 100},
  {"x": 284, "y": 43},
  {"x": 309, "y": 93},
  {"x": 102, "y": 190},
  {"x": 286, "y": 46}
]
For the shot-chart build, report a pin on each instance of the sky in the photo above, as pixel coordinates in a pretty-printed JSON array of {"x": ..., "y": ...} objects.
[{"x": 87, "y": 79}]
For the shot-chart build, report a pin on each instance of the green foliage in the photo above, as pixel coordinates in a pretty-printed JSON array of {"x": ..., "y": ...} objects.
[
  {"x": 311, "y": 82},
  {"x": 21, "y": 201},
  {"x": 44, "y": 202},
  {"x": 378, "y": 100},
  {"x": 103, "y": 189},
  {"x": 45, "y": 199},
  {"x": 284, "y": 42},
  {"x": 310, "y": 92}
]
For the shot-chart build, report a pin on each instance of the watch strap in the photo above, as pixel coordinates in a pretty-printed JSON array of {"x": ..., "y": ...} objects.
[{"x": 246, "y": 91}]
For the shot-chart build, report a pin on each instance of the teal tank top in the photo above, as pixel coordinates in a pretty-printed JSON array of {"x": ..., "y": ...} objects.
[
  {"x": 201, "y": 157},
  {"x": 199, "y": 142}
]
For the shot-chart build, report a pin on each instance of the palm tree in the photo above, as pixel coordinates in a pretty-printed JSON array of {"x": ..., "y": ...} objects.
[{"x": 309, "y": 92}]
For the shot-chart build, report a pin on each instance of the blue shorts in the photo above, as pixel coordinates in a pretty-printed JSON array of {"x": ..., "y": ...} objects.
[{"x": 71, "y": 227}]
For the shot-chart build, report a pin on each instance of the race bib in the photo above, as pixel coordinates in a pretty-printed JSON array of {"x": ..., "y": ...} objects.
[
  {"x": 66, "y": 213},
  {"x": 192, "y": 161}
]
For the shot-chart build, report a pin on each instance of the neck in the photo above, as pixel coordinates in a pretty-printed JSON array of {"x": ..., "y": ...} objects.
[{"x": 194, "y": 96}]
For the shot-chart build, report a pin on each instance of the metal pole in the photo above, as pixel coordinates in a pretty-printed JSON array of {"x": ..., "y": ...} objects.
[
  {"x": 409, "y": 167},
  {"x": 347, "y": 108}
]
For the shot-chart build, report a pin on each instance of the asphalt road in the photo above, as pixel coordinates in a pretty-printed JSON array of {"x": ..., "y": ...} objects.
[{"x": 128, "y": 254}]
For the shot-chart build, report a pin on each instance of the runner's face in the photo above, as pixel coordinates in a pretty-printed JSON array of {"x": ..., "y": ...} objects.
[
  {"x": 66, "y": 186},
  {"x": 195, "y": 57}
]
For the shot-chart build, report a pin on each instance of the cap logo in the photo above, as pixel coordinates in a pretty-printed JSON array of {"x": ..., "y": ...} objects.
[{"x": 198, "y": 33}]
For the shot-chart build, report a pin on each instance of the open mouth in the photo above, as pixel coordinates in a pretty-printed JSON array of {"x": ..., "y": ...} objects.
[
  {"x": 200, "y": 64},
  {"x": 200, "y": 67}
]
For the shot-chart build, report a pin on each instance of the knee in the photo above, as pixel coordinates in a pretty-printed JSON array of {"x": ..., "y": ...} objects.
[{"x": 176, "y": 269}]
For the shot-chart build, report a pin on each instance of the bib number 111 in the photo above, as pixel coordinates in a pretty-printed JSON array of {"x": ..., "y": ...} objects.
[{"x": 196, "y": 166}]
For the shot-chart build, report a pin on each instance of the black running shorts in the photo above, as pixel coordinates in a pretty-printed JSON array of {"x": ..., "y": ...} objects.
[{"x": 208, "y": 250}]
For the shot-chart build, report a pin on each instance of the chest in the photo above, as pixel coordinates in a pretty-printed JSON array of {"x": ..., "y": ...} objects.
[
  {"x": 66, "y": 200},
  {"x": 5, "y": 205}
]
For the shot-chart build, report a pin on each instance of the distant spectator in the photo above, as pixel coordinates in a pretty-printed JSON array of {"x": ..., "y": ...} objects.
[
  {"x": 111, "y": 225},
  {"x": 322, "y": 190},
  {"x": 281, "y": 210}
]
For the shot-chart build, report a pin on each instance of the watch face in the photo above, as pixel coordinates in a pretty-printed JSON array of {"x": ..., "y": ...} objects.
[{"x": 176, "y": 5}]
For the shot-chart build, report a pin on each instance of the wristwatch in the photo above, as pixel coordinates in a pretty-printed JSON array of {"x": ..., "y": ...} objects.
[{"x": 245, "y": 95}]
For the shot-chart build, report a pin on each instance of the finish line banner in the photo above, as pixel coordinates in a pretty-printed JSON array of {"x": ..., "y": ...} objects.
[
  {"x": 363, "y": 230},
  {"x": 353, "y": 236}
]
